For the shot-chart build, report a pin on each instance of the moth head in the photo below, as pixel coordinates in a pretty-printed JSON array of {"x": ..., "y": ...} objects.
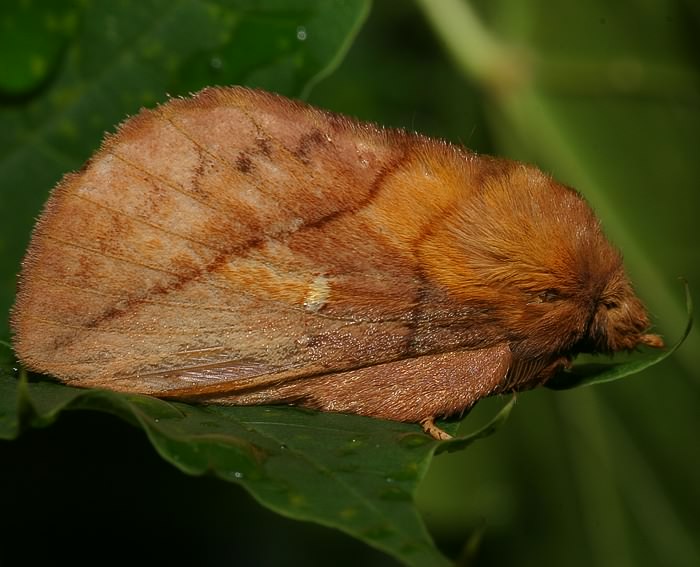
[
  {"x": 530, "y": 254},
  {"x": 602, "y": 319},
  {"x": 619, "y": 320}
]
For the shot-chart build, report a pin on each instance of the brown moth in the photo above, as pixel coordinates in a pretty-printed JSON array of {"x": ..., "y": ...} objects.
[{"x": 237, "y": 247}]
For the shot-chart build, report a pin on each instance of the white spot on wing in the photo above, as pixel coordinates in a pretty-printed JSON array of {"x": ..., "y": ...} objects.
[{"x": 318, "y": 294}]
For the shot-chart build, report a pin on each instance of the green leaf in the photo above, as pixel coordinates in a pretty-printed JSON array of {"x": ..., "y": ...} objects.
[
  {"x": 462, "y": 442},
  {"x": 348, "y": 472}
]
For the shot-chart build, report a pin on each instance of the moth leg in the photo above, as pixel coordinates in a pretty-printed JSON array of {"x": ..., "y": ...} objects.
[{"x": 428, "y": 425}]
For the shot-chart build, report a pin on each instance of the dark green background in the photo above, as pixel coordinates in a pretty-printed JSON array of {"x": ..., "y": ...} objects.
[{"x": 604, "y": 476}]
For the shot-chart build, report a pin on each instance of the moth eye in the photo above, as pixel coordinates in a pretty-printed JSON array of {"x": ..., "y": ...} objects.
[
  {"x": 546, "y": 296},
  {"x": 550, "y": 295}
]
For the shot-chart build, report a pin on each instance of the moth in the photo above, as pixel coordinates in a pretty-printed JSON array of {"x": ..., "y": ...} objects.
[{"x": 237, "y": 247}]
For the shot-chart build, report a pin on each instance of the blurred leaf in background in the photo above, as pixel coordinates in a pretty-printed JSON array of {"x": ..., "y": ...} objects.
[{"x": 605, "y": 96}]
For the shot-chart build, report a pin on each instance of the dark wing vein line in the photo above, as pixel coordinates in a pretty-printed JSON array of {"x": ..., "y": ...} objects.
[
  {"x": 166, "y": 182},
  {"x": 147, "y": 223},
  {"x": 130, "y": 261}
]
